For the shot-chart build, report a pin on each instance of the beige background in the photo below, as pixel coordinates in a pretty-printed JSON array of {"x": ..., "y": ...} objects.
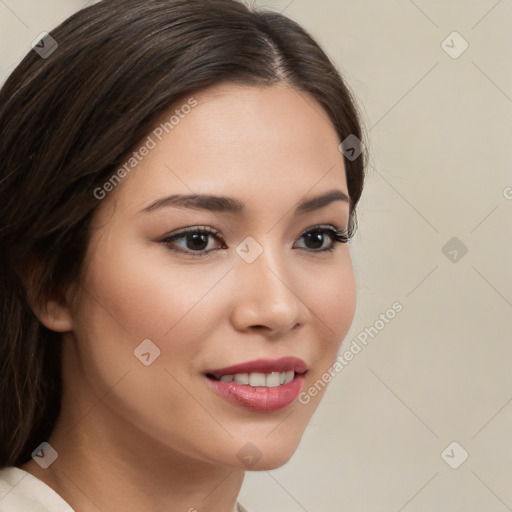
[{"x": 441, "y": 161}]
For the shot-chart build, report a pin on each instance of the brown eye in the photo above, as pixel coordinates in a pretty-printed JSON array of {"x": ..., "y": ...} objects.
[
  {"x": 195, "y": 241},
  {"x": 316, "y": 237}
]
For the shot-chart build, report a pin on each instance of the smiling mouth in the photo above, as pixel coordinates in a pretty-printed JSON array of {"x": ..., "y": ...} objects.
[
  {"x": 258, "y": 379},
  {"x": 270, "y": 373},
  {"x": 257, "y": 391}
]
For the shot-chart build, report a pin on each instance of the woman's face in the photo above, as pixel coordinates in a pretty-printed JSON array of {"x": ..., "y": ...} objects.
[{"x": 256, "y": 288}]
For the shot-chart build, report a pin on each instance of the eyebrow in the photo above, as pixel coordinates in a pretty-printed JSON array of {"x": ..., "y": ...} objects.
[{"x": 230, "y": 205}]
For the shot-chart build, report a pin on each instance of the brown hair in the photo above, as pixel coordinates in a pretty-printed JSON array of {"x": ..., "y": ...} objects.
[{"x": 68, "y": 120}]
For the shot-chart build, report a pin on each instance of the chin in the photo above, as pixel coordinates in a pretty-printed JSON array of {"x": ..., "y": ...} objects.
[
  {"x": 268, "y": 451},
  {"x": 273, "y": 462}
]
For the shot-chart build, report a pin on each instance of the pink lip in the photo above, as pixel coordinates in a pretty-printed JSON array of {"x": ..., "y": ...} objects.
[
  {"x": 284, "y": 364},
  {"x": 258, "y": 398}
]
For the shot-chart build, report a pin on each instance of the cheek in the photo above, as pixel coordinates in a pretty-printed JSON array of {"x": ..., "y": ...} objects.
[
  {"x": 134, "y": 294},
  {"x": 332, "y": 306},
  {"x": 332, "y": 298},
  {"x": 133, "y": 298},
  {"x": 147, "y": 295}
]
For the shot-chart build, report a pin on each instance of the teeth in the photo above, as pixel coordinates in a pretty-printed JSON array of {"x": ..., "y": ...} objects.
[
  {"x": 242, "y": 378},
  {"x": 256, "y": 379},
  {"x": 273, "y": 380}
]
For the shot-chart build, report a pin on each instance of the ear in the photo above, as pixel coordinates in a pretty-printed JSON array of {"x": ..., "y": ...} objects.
[
  {"x": 53, "y": 311},
  {"x": 54, "y": 315}
]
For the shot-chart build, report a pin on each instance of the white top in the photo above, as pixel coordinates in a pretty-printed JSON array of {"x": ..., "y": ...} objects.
[{"x": 20, "y": 491}]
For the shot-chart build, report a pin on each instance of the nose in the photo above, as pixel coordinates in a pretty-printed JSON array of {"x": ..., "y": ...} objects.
[{"x": 265, "y": 297}]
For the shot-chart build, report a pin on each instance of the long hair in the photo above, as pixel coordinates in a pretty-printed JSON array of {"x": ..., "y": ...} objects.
[{"x": 67, "y": 120}]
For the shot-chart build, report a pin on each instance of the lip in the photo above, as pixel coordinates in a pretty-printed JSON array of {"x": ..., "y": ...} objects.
[
  {"x": 258, "y": 398},
  {"x": 284, "y": 364}
]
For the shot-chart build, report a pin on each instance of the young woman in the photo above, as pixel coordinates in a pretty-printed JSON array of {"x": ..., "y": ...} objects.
[{"x": 178, "y": 184}]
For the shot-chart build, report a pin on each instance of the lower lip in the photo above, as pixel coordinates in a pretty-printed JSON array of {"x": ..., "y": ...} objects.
[{"x": 259, "y": 398}]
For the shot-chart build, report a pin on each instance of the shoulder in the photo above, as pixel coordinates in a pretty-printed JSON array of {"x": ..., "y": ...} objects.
[
  {"x": 241, "y": 508},
  {"x": 20, "y": 490}
]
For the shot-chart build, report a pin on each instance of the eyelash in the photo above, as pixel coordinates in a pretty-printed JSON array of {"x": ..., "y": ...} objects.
[{"x": 337, "y": 236}]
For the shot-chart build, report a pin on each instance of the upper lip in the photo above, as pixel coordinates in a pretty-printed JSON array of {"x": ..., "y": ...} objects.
[{"x": 284, "y": 364}]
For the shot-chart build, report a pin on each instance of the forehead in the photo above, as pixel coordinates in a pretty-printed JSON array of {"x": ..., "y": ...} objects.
[{"x": 238, "y": 139}]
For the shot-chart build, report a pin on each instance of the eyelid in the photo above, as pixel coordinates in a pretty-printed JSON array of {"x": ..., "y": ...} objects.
[
  {"x": 193, "y": 229},
  {"x": 338, "y": 235},
  {"x": 331, "y": 227},
  {"x": 214, "y": 231}
]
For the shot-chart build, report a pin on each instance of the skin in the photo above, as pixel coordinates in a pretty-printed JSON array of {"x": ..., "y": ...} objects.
[{"x": 132, "y": 437}]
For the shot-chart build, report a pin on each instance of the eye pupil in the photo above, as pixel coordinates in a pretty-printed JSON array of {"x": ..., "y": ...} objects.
[
  {"x": 315, "y": 236},
  {"x": 198, "y": 238}
]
